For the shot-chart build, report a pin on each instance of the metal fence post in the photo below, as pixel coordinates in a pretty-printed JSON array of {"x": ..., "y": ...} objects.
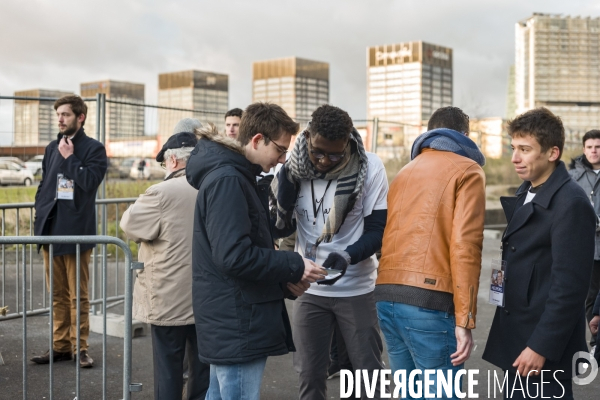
[
  {"x": 128, "y": 320},
  {"x": 24, "y": 322},
  {"x": 374, "y": 136},
  {"x": 51, "y": 281}
]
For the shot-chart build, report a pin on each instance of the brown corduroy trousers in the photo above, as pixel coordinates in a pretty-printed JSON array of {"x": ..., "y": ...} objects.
[{"x": 65, "y": 300}]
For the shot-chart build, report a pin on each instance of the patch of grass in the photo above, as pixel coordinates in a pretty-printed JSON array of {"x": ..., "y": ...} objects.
[
  {"x": 17, "y": 194},
  {"x": 123, "y": 189},
  {"x": 114, "y": 190}
]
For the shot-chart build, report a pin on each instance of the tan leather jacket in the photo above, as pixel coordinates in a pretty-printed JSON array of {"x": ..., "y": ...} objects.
[
  {"x": 162, "y": 221},
  {"x": 434, "y": 232}
]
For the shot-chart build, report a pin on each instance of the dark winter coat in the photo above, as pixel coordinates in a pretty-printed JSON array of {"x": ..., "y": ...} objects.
[
  {"x": 548, "y": 247},
  {"x": 238, "y": 277},
  {"x": 582, "y": 171},
  {"x": 86, "y": 167}
]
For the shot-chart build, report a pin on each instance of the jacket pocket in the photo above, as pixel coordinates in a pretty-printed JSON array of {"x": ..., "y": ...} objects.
[
  {"x": 520, "y": 284},
  {"x": 255, "y": 294},
  {"x": 266, "y": 329}
]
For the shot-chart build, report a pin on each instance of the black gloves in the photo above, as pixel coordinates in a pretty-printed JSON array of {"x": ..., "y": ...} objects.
[{"x": 337, "y": 260}]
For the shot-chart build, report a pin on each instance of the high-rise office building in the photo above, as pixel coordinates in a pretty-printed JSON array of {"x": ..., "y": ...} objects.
[
  {"x": 123, "y": 121},
  {"x": 192, "y": 90},
  {"x": 558, "y": 66},
  {"x": 35, "y": 122},
  {"x": 511, "y": 99},
  {"x": 406, "y": 83},
  {"x": 298, "y": 85},
  {"x": 491, "y": 135}
]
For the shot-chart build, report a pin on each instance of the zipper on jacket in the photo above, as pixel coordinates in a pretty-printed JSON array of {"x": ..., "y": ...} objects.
[{"x": 470, "y": 314}]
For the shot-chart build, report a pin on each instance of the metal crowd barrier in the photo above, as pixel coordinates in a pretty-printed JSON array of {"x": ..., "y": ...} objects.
[
  {"x": 22, "y": 242},
  {"x": 20, "y": 212}
]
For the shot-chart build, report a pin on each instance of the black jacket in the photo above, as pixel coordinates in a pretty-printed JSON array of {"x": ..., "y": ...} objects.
[
  {"x": 238, "y": 277},
  {"x": 548, "y": 247},
  {"x": 86, "y": 167}
]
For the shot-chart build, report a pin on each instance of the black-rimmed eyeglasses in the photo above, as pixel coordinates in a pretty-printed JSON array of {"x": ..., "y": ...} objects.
[
  {"x": 319, "y": 155},
  {"x": 281, "y": 149}
]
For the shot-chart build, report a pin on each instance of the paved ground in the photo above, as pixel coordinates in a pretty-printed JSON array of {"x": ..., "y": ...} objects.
[{"x": 280, "y": 380}]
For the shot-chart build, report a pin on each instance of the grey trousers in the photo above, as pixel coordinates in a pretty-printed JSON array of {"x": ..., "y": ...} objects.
[
  {"x": 169, "y": 343},
  {"x": 313, "y": 322}
]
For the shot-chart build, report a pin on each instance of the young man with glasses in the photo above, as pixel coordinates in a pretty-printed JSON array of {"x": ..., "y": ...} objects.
[
  {"x": 160, "y": 222},
  {"x": 239, "y": 279},
  {"x": 333, "y": 193}
]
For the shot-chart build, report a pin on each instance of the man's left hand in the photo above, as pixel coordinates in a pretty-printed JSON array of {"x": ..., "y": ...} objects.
[
  {"x": 299, "y": 288},
  {"x": 594, "y": 324},
  {"x": 66, "y": 147},
  {"x": 528, "y": 361},
  {"x": 464, "y": 346}
]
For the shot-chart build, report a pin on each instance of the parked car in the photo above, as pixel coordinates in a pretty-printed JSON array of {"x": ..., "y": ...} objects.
[
  {"x": 16, "y": 160},
  {"x": 35, "y": 165},
  {"x": 153, "y": 170},
  {"x": 125, "y": 167},
  {"x": 12, "y": 174}
]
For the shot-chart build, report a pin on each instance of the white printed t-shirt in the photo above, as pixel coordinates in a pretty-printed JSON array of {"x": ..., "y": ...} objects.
[{"x": 360, "y": 278}]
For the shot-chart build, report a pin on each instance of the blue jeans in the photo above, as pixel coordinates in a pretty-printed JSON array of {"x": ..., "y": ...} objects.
[
  {"x": 418, "y": 338},
  {"x": 236, "y": 381}
]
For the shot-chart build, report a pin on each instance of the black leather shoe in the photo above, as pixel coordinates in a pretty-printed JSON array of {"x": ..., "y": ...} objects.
[
  {"x": 85, "y": 361},
  {"x": 57, "y": 356}
]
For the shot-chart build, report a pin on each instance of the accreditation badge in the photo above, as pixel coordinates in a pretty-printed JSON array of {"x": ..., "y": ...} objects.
[
  {"x": 497, "y": 283},
  {"x": 65, "y": 188},
  {"x": 310, "y": 251}
]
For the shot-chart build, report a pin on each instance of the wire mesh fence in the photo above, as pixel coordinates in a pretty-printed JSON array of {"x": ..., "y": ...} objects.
[{"x": 128, "y": 128}]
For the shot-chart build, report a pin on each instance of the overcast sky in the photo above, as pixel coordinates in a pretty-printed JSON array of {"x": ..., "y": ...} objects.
[{"x": 58, "y": 44}]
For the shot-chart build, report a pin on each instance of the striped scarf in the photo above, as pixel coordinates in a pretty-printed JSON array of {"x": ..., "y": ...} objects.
[{"x": 350, "y": 175}]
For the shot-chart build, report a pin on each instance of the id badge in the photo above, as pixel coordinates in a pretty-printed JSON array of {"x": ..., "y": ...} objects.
[
  {"x": 497, "y": 283},
  {"x": 65, "y": 188},
  {"x": 310, "y": 251}
]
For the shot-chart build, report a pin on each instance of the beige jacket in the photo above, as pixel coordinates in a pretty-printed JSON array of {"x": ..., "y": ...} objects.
[{"x": 162, "y": 221}]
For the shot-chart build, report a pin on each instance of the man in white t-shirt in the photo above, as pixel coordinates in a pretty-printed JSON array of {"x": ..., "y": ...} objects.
[{"x": 334, "y": 194}]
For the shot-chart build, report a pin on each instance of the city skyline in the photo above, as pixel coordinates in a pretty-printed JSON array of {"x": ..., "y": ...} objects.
[{"x": 145, "y": 38}]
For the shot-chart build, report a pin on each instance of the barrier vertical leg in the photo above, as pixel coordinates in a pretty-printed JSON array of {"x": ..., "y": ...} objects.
[
  {"x": 17, "y": 268},
  {"x": 127, "y": 334},
  {"x": 104, "y": 352},
  {"x": 51, "y": 282},
  {"x": 78, "y": 290},
  {"x": 4, "y": 261},
  {"x": 24, "y": 281},
  {"x": 31, "y": 260}
]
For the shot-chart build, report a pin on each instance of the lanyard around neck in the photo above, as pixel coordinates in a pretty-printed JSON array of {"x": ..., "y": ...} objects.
[{"x": 315, "y": 201}]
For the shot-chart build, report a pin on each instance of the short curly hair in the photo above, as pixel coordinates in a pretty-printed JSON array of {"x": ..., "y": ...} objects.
[
  {"x": 546, "y": 127},
  {"x": 331, "y": 122}
]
